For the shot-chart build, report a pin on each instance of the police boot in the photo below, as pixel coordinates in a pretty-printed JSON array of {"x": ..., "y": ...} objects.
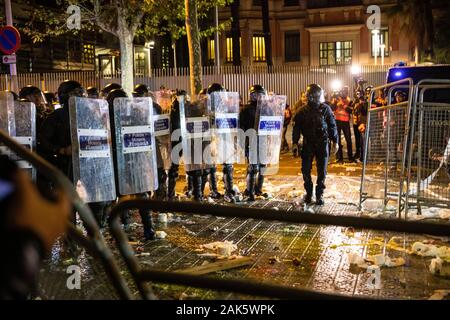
[
  {"x": 307, "y": 199},
  {"x": 190, "y": 186},
  {"x": 319, "y": 199},
  {"x": 259, "y": 187},
  {"x": 205, "y": 175},
  {"x": 214, "y": 193},
  {"x": 172, "y": 181},
  {"x": 161, "y": 192},
  {"x": 249, "y": 194},
  {"x": 126, "y": 220},
  {"x": 197, "y": 186},
  {"x": 146, "y": 218}
]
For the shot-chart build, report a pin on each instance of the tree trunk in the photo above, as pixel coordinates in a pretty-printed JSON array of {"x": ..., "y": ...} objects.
[
  {"x": 266, "y": 30},
  {"x": 195, "y": 53},
  {"x": 126, "y": 62},
  {"x": 174, "y": 48},
  {"x": 236, "y": 33},
  {"x": 429, "y": 37}
]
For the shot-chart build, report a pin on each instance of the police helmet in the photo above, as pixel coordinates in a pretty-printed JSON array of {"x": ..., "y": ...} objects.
[
  {"x": 109, "y": 87},
  {"x": 67, "y": 89},
  {"x": 92, "y": 92},
  {"x": 314, "y": 93},
  {"x": 215, "y": 87},
  {"x": 141, "y": 90},
  {"x": 113, "y": 94}
]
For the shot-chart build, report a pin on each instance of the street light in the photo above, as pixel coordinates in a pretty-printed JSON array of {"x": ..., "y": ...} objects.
[
  {"x": 356, "y": 69},
  {"x": 336, "y": 85},
  {"x": 376, "y": 44},
  {"x": 149, "y": 46}
]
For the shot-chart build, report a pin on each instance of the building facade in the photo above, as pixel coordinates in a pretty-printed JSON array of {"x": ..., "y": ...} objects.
[{"x": 318, "y": 33}]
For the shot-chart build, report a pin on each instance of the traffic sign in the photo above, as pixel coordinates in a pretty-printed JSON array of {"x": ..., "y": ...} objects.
[
  {"x": 9, "y": 59},
  {"x": 9, "y": 40}
]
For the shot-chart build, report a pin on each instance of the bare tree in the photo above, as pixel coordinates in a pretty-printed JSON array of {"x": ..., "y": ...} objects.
[{"x": 195, "y": 53}]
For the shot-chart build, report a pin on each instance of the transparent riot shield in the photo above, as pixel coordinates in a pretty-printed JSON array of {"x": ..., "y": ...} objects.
[
  {"x": 135, "y": 145},
  {"x": 161, "y": 120},
  {"x": 93, "y": 168},
  {"x": 224, "y": 113},
  {"x": 25, "y": 123},
  {"x": 269, "y": 126},
  {"x": 196, "y": 134},
  {"x": 7, "y": 122}
]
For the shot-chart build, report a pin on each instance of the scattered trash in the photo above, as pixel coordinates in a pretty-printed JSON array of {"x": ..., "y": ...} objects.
[
  {"x": 308, "y": 209},
  {"x": 350, "y": 232},
  {"x": 210, "y": 200},
  {"x": 429, "y": 250},
  {"x": 294, "y": 194},
  {"x": 439, "y": 294},
  {"x": 439, "y": 267},
  {"x": 225, "y": 248},
  {"x": 143, "y": 254},
  {"x": 357, "y": 260},
  {"x": 160, "y": 235},
  {"x": 162, "y": 217},
  {"x": 189, "y": 232},
  {"x": 296, "y": 262},
  {"x": 273, "y": 260},
  {"x": 276, "y": 208}
]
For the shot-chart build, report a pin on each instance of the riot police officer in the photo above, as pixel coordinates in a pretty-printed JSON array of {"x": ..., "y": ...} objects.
[
  {"x": 146, "y": 218},
  {"x": 141, "y": 90},
  {"x": 55, "y": 135},
  {"x": 175, "y": 125},
  {"x": 255, "y": 177},
  {"x": 108, "y": 88},
  {"x": 316, "y": 123},
  {"x": 93, "y": 93}
]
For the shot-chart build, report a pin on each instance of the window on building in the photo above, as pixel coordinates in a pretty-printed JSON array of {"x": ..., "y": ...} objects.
[
  {"x": 139, "y": 62},
  {"x": 88, "y": 53},
  {"x": 165, "y": 54},
  {"x": 291, "y": 3},
  {"x": 336, "y": 53},
  {"x": 211, "y": 53},
  {"x": 229, "y": 55},
  {"x": 259, "y": 48},
  {"x": 292, "y": 46},
  {"x": 378, "y": 39}
]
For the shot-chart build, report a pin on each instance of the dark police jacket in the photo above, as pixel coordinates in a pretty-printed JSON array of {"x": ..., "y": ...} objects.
[{"x": 316, "y": 125}]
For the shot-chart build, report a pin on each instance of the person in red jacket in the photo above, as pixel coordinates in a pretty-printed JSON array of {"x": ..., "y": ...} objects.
[{"x": 342, "y": 112}]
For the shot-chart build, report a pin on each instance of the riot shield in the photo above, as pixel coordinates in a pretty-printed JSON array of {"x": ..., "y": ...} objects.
[
  {"x": 196, "y": 134},
  {"x": 135, "y": 145},
  {"x": 224, "y": 114},
  {"x": 93, "y": 169},
  {"x": 7, "y": 122},
  {"x": 25, "y": 123},
  {"x": 161, "y": 117},
  {"x": 269, "y": 126}
]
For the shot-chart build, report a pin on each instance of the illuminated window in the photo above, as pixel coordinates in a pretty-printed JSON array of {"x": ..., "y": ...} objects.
[
  {"x": 229, "y": 55},
  {"x": 165, "y": 60},
  {"x": 88, "y": 53},
  {"x": 211, "y": 51},
  {"x": 380, "y": 38},
  {"x": 259, "y": 48},
  {"x": 139, "y": 62},
  {"x": 336, "y": 53}
]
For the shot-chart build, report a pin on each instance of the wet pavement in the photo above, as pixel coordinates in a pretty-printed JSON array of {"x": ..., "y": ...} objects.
[{"x": 300, "y": 256}]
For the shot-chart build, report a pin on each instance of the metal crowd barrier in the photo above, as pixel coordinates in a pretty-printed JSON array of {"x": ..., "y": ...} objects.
[
  {"x": 386, "y": 139},
  {"x": 95, "y": 244},
  {"x": 429, "y": 150}
]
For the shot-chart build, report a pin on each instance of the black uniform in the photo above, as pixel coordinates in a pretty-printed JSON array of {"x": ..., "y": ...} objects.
[
  {"x": 174, "y": 168},
  {"x": 316, "y": 123},
  {"x": 255, "y": 178}
]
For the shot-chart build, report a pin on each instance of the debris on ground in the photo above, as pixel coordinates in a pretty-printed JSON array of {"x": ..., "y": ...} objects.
[
  {"x": 439, "y": 267},
  {"x": 295, "y": 194},
  {"x": 273, "y": 260},
  {"x": 430, "y": 213},
  {"x": 189, "y": 232},
  {"x": 162, "y": 217},
  {"x": 439, "y": 294},
  {"x": 235, "y": 262},
  {"x": 430, "y": 250},
  {"x": 160, "y": 234},
  {"x": 379, "y": 260},
  {"x": 219, "y": 248},
  {"x": 296, "y": 262}
]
